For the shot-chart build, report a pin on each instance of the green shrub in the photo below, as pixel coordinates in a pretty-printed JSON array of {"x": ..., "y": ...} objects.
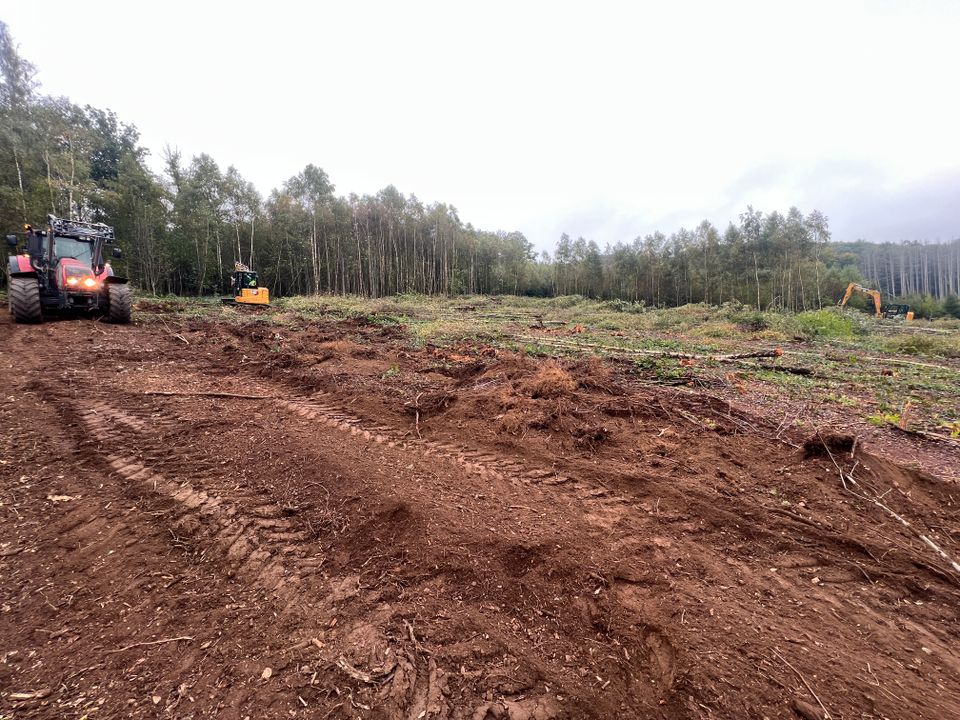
[
  {"x": 666, "y": 320},
  {"x": 750, "y": 320},
  {"x": 951, "y": 306},
  {"x": 827, "y": 324},
  {"x": 567, "y": 301},
  {"x": 624, "y": 306}
]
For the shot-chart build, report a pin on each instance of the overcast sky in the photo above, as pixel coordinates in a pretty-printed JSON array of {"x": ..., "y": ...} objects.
[{"x": 606, "y": 120}]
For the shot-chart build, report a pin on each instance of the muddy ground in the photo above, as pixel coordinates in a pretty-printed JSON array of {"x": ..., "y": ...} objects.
[{"x": 377, "y": 530}]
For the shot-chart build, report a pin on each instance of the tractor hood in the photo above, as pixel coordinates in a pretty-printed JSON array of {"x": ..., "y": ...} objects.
[{"x": 76, "y": 276}]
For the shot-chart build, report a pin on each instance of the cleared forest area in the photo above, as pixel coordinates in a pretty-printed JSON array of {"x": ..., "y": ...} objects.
[
  {"x": 479, "y": 508},
  {"x": 883, "y": 377}
]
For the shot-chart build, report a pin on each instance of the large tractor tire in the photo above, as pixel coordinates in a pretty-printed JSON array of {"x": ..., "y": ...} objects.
[
  {"x": 120, "y": 303},
  {"x": 25, "y": 300}
]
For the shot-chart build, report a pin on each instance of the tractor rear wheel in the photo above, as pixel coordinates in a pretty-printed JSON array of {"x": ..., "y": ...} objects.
[
  {"x": 120, "y": 303},
  {"x": 25, "y": 300}
]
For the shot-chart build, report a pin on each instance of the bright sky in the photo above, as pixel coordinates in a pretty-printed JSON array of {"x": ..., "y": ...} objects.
[{"x": 606, "y": 120}]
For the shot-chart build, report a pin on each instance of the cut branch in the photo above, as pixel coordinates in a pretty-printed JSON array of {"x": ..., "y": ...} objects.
[
  {"x": 174, "y": 393},
  {"x": 184, "y": 638}
]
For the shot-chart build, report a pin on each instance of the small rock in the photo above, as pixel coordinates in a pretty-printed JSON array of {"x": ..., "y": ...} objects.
[{"x": 265, "y": 675}]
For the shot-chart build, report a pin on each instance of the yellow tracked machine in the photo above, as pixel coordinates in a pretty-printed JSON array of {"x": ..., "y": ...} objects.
[{"x": 246, "y": 288}]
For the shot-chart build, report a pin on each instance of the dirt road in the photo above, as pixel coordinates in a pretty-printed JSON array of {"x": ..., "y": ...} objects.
[{"x": 384, "y": 531}]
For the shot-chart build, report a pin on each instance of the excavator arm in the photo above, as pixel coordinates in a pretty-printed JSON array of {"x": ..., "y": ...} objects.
[
  {"x": 847, "y": 294},
  {"x": 874, "y": 294}
]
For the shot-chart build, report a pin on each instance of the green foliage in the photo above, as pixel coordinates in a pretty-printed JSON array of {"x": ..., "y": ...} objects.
[
  {"x": 951, "y": 306},
  {"x": 920, "y": 344},
  {"x": 749, "y": 320},
  {"x": 925, "y": 307},
  {"x": 393, "y": 371},
  {"x": 884, "y": 419},
  {"x": 624, "y": 306},
  {"x": 567, "y": 301},
  {"x": 183, "y": 231},
  {"x": 827, "y": 324}
]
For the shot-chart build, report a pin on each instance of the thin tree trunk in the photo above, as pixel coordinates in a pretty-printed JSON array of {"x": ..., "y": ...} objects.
[
  {"x": 23, "y": 196},
  {"x": 253, "y": 220},
  {"x": 53, "y": 205},
  {"x": 756, "y": 272}
]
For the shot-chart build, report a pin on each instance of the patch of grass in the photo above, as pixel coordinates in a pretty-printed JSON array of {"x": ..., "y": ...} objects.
[
  {"x": 842, "y": 399},
  {"x": 537, "y": 350},
  {"x": 391, "y": 372},
  {"x": 884, "y": 419},
  {"x": 919, "y": 344},
  {"x": 719, "y": 329},
  {"x": 953, "y": 428},
  {"x": 827, "y": 324}
]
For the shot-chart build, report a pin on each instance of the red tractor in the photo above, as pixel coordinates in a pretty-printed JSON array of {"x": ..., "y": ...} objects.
[{"x": 62, "y": 269}]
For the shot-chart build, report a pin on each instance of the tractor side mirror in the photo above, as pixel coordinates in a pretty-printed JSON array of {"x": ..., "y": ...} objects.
[
  {"x": 12, "y": 240},
  {"x": 117, "y": 253}
]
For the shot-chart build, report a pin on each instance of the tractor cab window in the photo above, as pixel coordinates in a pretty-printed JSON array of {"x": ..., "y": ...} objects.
[
  {"x": 70, "y": 248},
  {"x": 248, "y": 280}
]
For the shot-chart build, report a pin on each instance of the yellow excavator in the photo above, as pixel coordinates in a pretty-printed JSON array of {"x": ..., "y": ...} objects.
[
  {"x": 246, "y": 288},
  {"x": 887, "y": 311}
]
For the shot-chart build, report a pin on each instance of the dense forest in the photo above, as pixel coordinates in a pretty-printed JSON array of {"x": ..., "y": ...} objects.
[{"x": 182, "y": 230}]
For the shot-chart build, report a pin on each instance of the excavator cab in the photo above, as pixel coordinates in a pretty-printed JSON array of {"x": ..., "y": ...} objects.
[
  {"x": 897, "y": 312},
  {"x": 246, "y": 288}
]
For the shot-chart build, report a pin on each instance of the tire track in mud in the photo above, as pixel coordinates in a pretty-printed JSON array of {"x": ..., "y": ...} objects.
[
  {"x": 241, "y": 538},
  {"x": 246, "y": 541},
  {"x": 251, "y": 542},
  {"x": 244, "y": 537},
  {"x": 661, "y": 657},
  {"x": 604, "y": 508},
  {"x": 607, "y": 506},
  {"x": 658, "y": 658}
]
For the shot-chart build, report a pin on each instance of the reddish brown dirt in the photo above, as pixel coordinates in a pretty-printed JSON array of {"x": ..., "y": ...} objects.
[{"x": 393, "y": 532}]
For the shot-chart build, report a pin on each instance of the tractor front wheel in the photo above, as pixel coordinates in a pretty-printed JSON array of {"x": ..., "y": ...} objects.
[
  {"x": 25, "y": 300},
  {"x": 119, "y": 303}
]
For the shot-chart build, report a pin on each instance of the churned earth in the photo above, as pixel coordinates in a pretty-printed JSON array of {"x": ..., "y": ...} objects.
[{"x": 322, "y": 520}]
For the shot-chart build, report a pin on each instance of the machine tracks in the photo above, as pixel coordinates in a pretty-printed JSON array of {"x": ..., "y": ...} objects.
[
  {"x": 258, "y": 544},
  {"x": 260, "y": 547},
  {"x": 482, "y": 464},
  {"x": 276, "y": 552}
]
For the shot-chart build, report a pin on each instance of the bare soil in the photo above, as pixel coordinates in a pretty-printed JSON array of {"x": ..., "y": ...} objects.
[{"x": 385, "y": 531}]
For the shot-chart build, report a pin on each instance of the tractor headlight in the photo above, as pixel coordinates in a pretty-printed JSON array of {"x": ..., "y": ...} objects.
[
  {"x": 90, "y": 283},
  {"x": 72, "y": 281}
]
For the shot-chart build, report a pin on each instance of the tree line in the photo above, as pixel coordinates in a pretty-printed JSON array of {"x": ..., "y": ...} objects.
[{"x": 183, "y": 229}]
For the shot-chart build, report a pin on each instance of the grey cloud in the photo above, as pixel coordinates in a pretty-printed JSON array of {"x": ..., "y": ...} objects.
[{"x": 857, "y": 196}]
